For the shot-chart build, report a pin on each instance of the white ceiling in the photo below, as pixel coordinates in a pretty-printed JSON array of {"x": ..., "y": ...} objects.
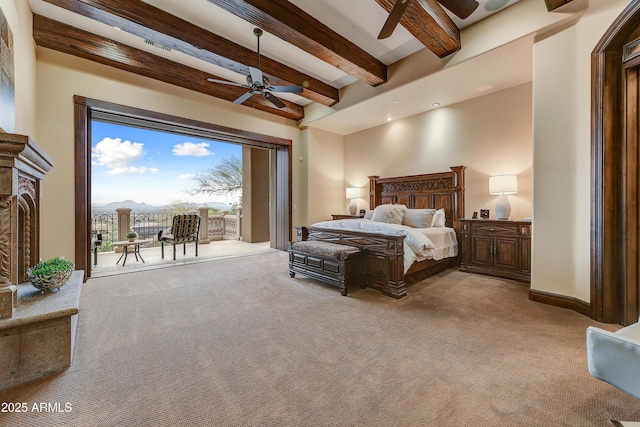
[{"x": 357, "y": 20}]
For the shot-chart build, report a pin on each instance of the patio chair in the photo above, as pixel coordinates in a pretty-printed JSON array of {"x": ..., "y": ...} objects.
[{"x": 184, "y": 229}]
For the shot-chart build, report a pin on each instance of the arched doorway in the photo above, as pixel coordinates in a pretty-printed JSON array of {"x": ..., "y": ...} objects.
[{"x": 615, "y": 199}]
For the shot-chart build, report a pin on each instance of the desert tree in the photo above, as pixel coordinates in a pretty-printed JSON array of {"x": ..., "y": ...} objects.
[{"x": 223, "y": 179}]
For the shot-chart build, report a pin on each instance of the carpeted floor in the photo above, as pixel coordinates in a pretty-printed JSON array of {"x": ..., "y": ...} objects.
[{"x": 237, "y": 342}]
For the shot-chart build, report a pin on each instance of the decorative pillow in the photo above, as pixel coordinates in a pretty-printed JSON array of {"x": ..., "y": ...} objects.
[
  {"x": 439, "y": 219},
  {"x": 418, "y": 218},
  {"x": 391, "y": 214},
  {"x": 368, "y": 215}
]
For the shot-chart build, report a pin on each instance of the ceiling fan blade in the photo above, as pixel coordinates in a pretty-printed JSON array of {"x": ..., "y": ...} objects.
[
  {"x": 256, "y": 75},
  {"x": 243, "y": 98},
  {"x": 274, "y": 100},
  {"x": 224, "y": 82},
  {"x": 461, "y": 8},
  {"x": 394, "y": 17},
  {"x": 292, "y": 89}
]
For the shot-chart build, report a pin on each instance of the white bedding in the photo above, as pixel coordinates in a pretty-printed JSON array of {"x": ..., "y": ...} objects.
[{"x": 419, "y": 244}]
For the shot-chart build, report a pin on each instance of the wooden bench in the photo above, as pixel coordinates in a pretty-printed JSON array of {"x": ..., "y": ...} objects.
[{"x": 332, "y": 263}]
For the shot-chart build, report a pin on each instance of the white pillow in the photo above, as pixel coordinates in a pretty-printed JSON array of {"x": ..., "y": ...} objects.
[
  {"x": 391, "y": 214},
  {"x": 368, "y": 215},
  {"x": 439, "y": 219},
  {"x": 418, "y": 218}
]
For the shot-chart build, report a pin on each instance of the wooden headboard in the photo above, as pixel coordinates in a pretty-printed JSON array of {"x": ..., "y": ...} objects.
[{"x": 435, "y": 190}]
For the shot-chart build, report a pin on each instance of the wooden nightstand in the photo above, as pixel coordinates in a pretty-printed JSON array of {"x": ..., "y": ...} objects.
[
  {"x": 497, "y": 248},
  {"x": 340, "y": 216}
]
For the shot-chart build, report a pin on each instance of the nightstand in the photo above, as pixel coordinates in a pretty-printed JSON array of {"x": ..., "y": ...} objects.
[
  {"x": 340, "y": 216},
  {"x": 496, "y": 248}
]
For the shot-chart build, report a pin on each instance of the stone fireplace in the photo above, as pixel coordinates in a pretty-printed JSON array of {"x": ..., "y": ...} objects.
[{"x": 22, "y": 167}]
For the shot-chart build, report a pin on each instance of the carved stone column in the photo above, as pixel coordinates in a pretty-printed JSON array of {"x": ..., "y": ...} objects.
[
  {"x": 204, "y": 225},
  {"x": 22, "y": 167}
]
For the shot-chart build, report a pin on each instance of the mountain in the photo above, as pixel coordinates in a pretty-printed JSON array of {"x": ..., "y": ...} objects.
[
  {"x": 130, "y": 204},
  {"x": 143, "y": 207}
]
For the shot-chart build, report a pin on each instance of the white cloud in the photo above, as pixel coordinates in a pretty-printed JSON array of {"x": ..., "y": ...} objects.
[
  {"x": 186, "y": 176},
  {"x": 131, "y": 170},
  {"x": 192, "y": 149},
  {"x": 119, "y": 156}
]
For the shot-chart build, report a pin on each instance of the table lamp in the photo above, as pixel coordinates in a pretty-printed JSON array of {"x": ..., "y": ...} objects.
[
  {"x": 503, "y": 185},
  {"x": 353, "y": 193}
]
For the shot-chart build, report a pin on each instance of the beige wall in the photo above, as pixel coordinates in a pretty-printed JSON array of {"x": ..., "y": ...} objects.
[
  {"x": 490, "y": 135},
  {"x": 61, "y": 76},
  {"x": 325, "y": 180},
  {"x": 19, "y": 17},
  {"x": 562, "y": 144}
]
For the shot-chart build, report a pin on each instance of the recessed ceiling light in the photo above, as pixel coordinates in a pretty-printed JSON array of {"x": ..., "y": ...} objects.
[
  {"x": 435, "y": 104},
  {"x": 483, "y": 88},
  {"x": 388, "y": 119}
]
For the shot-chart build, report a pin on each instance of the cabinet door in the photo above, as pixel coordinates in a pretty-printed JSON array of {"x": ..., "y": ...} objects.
[
  {"x": 481, "y": 252},
  {"x": 506, "y": 253}
]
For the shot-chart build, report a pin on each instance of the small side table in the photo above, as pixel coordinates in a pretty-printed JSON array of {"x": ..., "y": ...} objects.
[
  {"x": 341, "y": 216},
  {"x": 126, "y": 244}
]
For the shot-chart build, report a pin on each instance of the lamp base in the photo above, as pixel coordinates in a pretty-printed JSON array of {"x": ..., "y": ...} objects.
[
  {"x": 503, "y": 207},
  {"x": 353, "y": 207}
]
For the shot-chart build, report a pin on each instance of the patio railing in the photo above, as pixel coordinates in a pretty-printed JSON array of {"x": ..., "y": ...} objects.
[{"x": 114, "y": 226}]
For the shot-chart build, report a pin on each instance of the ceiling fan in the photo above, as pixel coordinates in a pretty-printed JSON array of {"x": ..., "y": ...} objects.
[
  {"x": 461, "y": 8},
  {"x": 258, "y": 84}
]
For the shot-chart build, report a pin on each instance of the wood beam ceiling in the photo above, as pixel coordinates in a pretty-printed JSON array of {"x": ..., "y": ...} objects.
[
  {"x": 73, "y": 41},
  {"x": 290, "y": 23},
  {"x": 148, "y": 22},
  {"x": 554, "y": 4},
  {"x": 429, "y": 23}
]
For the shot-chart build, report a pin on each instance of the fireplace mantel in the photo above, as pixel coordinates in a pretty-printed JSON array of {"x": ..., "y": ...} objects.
[{"x": 22, "y": 167}]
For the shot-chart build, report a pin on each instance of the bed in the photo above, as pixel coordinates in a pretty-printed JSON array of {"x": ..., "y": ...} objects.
[{"x": 390, "y": 265}]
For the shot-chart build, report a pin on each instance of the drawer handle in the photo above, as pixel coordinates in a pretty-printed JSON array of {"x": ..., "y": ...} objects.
[{"x": 493, "y": 229}]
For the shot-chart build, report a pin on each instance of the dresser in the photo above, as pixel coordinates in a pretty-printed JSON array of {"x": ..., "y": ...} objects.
[{"x": 497, "y": 248}]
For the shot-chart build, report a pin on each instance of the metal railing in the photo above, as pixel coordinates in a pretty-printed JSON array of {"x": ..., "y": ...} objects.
[{"x": 114, "y": 226}]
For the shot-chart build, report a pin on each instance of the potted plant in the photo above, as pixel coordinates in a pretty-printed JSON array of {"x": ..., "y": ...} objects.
[
  {"x": 50, "y": 274},
  {"x": 132, "y": 235}
]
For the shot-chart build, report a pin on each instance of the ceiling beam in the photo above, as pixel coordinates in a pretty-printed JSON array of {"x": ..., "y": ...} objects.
[
  {"x": 148, "y": 22},
  {"x": 290, "y": 23},
  {"x": 554, "y": 4},
  {"x": 73, "y": 41},
  {"x": 429, "y": 23}
]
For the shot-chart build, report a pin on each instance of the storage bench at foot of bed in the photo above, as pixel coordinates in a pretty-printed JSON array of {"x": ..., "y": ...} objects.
[{"x": 332, "y": 263}]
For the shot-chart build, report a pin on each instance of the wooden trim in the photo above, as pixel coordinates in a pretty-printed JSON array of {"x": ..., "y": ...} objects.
[
  {"x": 607, "y": 166},
  {"x": 84, "y": 111},
  {"x": 82, "y": 167},
  {"x": 561, "y": 301}
]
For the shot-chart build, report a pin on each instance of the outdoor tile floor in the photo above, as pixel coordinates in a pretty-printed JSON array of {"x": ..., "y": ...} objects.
[{"x": 224, "y": 248}]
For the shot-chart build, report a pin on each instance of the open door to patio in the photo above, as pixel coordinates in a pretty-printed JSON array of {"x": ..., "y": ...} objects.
[{"x": 266, "y": 163}]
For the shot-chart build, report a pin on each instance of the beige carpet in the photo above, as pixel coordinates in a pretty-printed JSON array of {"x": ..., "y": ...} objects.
[{"x": 238, "y": 342}]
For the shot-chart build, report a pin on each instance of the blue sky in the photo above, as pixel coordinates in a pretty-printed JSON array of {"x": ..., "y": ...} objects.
[{"x": 149, "y": 166}]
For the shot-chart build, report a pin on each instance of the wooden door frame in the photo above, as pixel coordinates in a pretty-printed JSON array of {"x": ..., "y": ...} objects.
[
  {"x": 608, "y": 242},
  {"x": 86, "y": 109}
]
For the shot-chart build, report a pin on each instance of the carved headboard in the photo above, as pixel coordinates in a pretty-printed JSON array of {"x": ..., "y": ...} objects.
[{"x": 435, "y": 190}]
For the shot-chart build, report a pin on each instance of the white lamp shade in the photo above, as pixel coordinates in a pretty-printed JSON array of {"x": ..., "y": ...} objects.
[
  {"x": 503, "y": 184},
  {"x": 353, "y": 193}
]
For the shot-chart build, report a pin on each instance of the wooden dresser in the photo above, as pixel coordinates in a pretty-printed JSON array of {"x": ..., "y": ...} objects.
[{"x": 497, "y": 248}]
